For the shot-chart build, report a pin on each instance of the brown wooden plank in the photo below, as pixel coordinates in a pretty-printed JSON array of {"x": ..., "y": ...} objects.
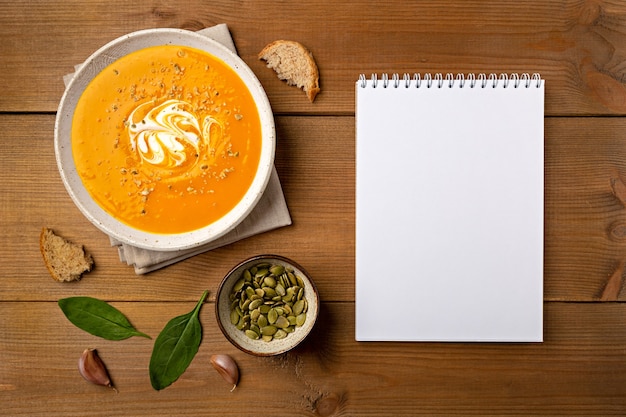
[
  {"x": 584, "y": 220},
  {"x": 578, "y": 370},
  {"x": 579, "y": 47},
  {"x": 321, "y": 238}
]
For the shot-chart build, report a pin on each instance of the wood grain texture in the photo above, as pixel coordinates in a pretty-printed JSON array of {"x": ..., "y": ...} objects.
[
  {"x": 585, "y": 240},
  {"x": 329, "y": 374},
  {"x": 321, "y": 238},
  {"x": 578, "y": 46},
  {"x": 584, "y": 220}
]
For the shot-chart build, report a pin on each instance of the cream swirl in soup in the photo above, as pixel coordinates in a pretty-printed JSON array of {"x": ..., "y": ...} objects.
[{"x": 170, "y": 133}]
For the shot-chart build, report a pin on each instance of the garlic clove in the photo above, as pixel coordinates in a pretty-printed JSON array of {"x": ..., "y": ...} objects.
[
  {"x": 227, "y": 368},
  {"x": 93, "y": 369}
]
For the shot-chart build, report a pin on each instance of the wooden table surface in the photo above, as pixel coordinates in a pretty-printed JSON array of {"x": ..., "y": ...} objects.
[{"x": 579, "y": 47}]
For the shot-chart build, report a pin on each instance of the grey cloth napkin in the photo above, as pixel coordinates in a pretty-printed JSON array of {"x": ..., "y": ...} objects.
[{"x": 271, "y": 212}]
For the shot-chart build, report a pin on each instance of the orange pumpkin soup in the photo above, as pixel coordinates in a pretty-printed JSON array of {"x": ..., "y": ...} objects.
[{"x": 167, "y": 139}]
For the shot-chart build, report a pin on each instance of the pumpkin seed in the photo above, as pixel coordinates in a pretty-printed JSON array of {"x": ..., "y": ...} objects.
[
  {"x": 279, "y": 290},
  {"x": 277, "y": 270},
  {"x": 247, "y": 276},
  {"x": 234, "y": 317},
  {"x": 239, "y": 285},
  {"x": 241, "y": 324},
  {"x": 256, "y": 303},
  {"x": 269, "y": 282},
  {"x": 268, "y": 330},
  {"x": 298, "y": 307},
  {"x": 269, "y": 292},
  {"x": 282, "y": 322},
  {"x": 280, "y": 334},
  {"x": 252, "y": 334},
  {"x": 272, "y": 316}
]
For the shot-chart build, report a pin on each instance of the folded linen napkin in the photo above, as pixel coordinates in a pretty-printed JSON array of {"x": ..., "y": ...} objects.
[{"x": 271, "y": 212}]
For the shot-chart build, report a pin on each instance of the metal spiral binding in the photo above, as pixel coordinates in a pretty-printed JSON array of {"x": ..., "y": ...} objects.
[{"x": 450, "y": 80}]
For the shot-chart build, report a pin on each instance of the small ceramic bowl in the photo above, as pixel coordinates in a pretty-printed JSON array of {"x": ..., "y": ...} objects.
[{"x": 260, "y": 347}]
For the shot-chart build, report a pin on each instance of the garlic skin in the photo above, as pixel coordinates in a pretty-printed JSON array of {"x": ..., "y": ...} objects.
[
  {"x": 227, "y": 368},
  {"x": 93, "y": 369}
]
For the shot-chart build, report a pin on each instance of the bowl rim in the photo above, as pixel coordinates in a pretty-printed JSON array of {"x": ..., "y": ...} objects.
[
  {"x": 258, "y": 258},
  {"x": 121, "y": 232}
]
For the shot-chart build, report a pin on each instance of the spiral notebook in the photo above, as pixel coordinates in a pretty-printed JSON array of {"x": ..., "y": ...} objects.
[{"x": 449, "y": 208}]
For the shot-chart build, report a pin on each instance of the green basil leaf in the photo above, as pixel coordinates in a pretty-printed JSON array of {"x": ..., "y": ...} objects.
[
  {"x": 175, "y": 347},
  {"x": 98, "y": 318}
]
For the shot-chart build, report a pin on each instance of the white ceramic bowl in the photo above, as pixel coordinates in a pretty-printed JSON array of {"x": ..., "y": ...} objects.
[
  {"x": 260, "y": 347},
  {"x": 65, "y": 161}
]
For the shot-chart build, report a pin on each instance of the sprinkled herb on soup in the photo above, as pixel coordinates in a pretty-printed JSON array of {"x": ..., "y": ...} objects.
[{"x": 167, "y": 139}]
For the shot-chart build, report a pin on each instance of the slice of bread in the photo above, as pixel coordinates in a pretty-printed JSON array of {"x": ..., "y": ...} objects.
[
  {"x": 293, "y": 63},
  {"x": 65, "y": 260}
]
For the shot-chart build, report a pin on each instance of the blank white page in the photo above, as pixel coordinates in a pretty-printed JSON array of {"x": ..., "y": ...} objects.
[{"x": 449, "y": 212}]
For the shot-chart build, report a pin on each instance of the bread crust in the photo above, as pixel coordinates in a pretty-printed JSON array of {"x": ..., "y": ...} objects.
[
  {"x": 293, "y": 63},
  {"x": 64, "y": 260}
]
